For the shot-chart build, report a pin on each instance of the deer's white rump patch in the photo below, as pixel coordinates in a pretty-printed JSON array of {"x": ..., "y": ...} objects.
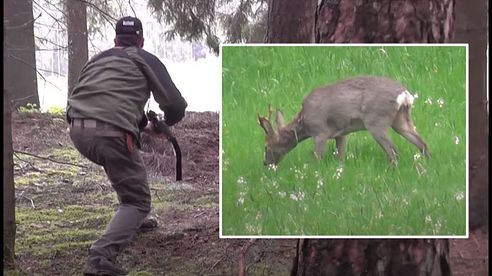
[{"x": 405, "y": 98}]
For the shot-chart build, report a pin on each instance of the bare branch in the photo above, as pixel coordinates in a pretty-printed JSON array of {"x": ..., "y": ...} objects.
[
  {"x": 22, "y": 99},
  {"x": 56, "y": 19},
  {"x": 8, "y": 28},
  {"x": 28, "y": 198},
  {"x": 242, "y": 256},
  {"x": 27, "y": 162},
  {"x": 104, "y": 13},
  {"x": 37, "y": 71},
  {"x": 51, "y": 42},
  {"x": 50, "y": 159},
  {"x": 130, "y": 4}
]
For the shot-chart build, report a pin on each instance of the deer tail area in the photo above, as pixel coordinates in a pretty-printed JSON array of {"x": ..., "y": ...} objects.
[{"x": 405, "y": 99}]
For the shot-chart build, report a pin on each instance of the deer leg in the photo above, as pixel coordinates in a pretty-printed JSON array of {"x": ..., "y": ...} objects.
[
  {"x": 340, "y": 142},
  {"x": 404, "y": 126},
  {"x": 383, "y": 140},
  {"x": 320, "y": 146}
]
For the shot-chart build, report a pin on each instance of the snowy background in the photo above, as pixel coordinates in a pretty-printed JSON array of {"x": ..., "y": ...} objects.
[{"x": 194, "y": 68}]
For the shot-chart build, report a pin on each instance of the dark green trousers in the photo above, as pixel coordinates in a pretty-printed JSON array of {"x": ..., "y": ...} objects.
[{"x": 128, "y": 177}]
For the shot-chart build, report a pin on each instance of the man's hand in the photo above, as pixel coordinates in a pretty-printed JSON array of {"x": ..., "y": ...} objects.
[
  {"x": 174, "y": 114},
  {"x": 149, "y": 129}
]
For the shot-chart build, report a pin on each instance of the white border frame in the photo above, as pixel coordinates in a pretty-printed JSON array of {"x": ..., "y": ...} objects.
[{"x": 466, "y": 45}]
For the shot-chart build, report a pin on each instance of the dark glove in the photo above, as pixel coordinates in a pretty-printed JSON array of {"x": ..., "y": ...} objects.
[
  {"x": 174, "y": 113},
  {"x": 143, "y": 122}
]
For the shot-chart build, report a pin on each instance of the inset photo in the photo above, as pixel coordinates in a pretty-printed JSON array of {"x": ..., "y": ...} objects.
[{"x": 361, "y": 140}]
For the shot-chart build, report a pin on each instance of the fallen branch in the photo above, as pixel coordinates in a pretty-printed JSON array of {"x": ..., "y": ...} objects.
[
  {"x": 28, "y": 198},
  {"x": 28, "y": 163},
  {"x": 222, "y": 258},
  {"x": 242, "y": 254},
  {"x": 49, "y": 159}
]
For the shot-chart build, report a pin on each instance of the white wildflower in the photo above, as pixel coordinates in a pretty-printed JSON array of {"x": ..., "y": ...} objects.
[
  {"x": 294, "y": 197},
  {"x": 272, "y": 167},
  {"x": 428, "y": 219},
  {"x": 299, "y": 196},
  {"x": 338, "y": 173},
  {"x": 428, "y": 101},
  {"x": 240, "y": 200},
  {"x": 415, "y": 96},
  {"x": 241, "y": 180},
  {"x": 440, "y": 102},
  {"x": 459, "y": 196},
  {"x": 416, "y": 156},
  {"x": 379, "y": 215},
  {"x": 456, "y": 140},
  {"x": 282, "y": 194}
]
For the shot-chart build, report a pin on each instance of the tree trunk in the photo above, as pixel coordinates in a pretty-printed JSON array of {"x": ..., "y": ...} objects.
[
  {"x": 8, "y": 179},
  {"x": 372, "y": 257},
  {"x": 290, "y": 21},
  {"x": 345, "y": 21},
  {"x": 342, "y": 21},
  {"x": 78, "y": 52},
  {"x": 471, "y": 27},
  {"x": 21, "y": 78}
]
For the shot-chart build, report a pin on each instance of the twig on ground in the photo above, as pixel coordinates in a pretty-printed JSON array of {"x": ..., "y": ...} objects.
[
  {"x": 49, "y": 159},
  {"x": 155, "y": 192},
  {"x": 222, "y": 258},
  {"x": 27, "y": 162},
  {"x": 28, "y": 198},
  {"x": 242, "y": 257}
]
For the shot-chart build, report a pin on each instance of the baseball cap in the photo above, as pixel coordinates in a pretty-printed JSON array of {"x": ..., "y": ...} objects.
[{"x": 129, "y": 26}]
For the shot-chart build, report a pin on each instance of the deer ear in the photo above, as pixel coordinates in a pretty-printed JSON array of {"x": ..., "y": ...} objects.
[
  {"x": 280, "y": 119},
  {"x": 266, "y": 125}
]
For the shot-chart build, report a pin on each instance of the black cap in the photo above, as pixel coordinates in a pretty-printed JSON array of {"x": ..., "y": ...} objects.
[{"x": 129, "y": 26}]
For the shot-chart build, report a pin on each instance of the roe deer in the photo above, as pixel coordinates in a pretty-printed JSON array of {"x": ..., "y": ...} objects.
[{"x": 361, "y": 103}]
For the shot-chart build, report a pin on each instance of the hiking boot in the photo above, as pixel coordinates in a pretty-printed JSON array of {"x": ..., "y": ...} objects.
[
  {"x": 149, "y": 224},
  {"x": 99, "y": 266}
]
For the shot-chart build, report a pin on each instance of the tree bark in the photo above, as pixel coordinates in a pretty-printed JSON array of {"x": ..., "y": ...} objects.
[
  {"x": 372, "y": 257},
  {"x": 471, "y": 27},
  {"x": 290, "y": 21},
  {"x": 8, "y": 178},
  {"x": 21, "y": 78},
  {"x": 384, "y": 21},
  {"x": 78, "y": 51},
  {"x": 354, "y": 21}
]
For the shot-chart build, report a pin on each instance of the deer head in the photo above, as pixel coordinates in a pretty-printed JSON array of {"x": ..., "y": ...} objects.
[{"x": 276, "y": 144}]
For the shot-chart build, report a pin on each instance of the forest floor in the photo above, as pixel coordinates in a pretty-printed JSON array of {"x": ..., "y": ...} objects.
[{"x": 62, "y": 207}]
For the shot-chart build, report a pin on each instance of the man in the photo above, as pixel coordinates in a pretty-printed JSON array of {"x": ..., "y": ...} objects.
[{"x": 105, "y": 114}]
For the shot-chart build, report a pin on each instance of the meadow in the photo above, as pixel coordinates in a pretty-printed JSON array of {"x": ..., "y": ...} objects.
[{"x": 363, "y": 195}]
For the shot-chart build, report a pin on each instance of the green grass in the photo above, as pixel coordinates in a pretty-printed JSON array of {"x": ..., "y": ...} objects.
[{"x": 362, "y": 195}]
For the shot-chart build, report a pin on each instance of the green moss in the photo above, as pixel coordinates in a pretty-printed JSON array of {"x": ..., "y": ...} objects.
[
  {"x": 208, "y": 201},
  {"x": 66, "y": 154},
  {"x": 14, "y": 273},
  {"x": 142, "y": 273},
  {"x": 28, "y": 179},
  {"x": 59, "y": 229}
]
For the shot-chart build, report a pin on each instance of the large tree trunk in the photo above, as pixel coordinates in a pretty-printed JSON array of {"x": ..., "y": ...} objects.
[
  {"x": 77, "y": 39},
  {"x": 471, "y": 27},
  {"x": 372, "y": 257},
  {"x": 20, "y": 78},
  {"x": 8, "y": 179},
  {"x": 290, "y": 21},
  {"x": 343, "y": 21}
]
